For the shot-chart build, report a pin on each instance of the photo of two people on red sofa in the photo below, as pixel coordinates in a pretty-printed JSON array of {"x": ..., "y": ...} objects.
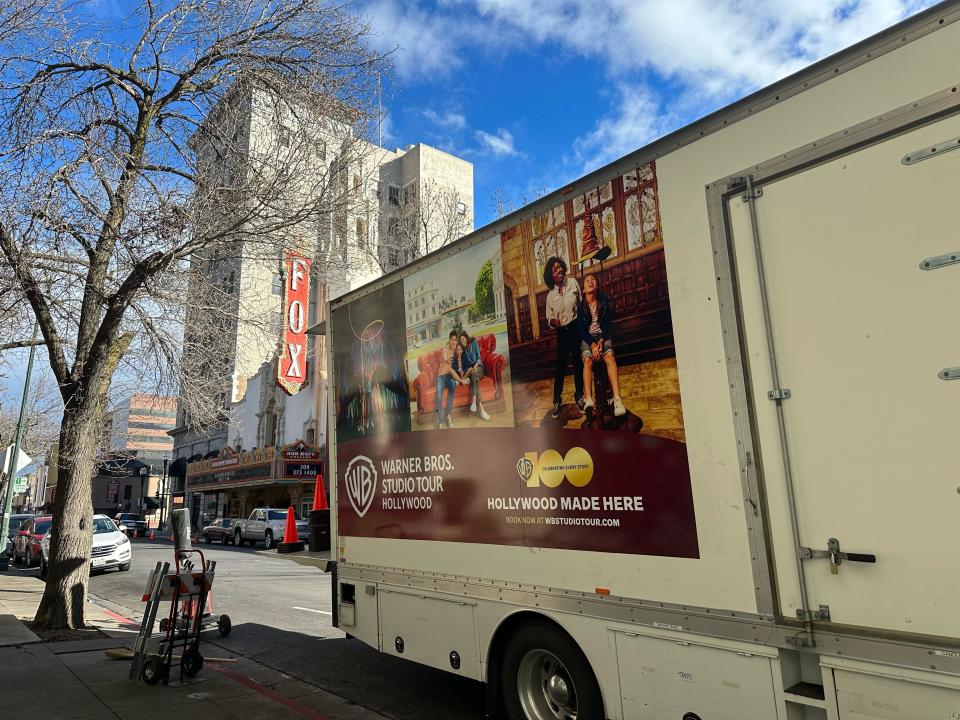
[{"x": 457, "y": 356}]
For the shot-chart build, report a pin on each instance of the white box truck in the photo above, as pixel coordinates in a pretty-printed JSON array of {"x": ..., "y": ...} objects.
[{"x": 677, "y": 442}]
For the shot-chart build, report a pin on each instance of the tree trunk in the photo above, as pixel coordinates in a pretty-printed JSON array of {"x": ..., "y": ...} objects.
[{"x": 71, "y": 536}]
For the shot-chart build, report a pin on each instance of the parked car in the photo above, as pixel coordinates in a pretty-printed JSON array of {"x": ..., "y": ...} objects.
[
  {"x": 26, "y": 543},
  {"x": 111, "y": 547},
  {"x": 266, "y": 525},
  {"x": 131, "y": 523},
  {"x": 15, "y": 522},
  {"x": 219, "y": 531}
]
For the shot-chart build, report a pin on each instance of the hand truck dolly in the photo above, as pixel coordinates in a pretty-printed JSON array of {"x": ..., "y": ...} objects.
[{"x": 187, "y": 590}]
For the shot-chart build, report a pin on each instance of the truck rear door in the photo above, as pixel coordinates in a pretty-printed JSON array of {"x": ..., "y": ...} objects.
[{"x": 851, "y": 368}]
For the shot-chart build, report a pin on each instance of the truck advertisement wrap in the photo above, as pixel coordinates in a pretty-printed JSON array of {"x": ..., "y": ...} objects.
[{"x": 542, "y": 362}]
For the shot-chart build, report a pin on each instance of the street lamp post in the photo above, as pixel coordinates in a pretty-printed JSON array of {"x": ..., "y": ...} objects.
[
  {"x": 163, "y": 492},
  {"x": 12, "y": 469},
  {"x": 144, "y": 471}
]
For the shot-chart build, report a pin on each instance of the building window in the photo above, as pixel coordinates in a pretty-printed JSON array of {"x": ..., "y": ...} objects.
[
  {"x": 276, "y": 285},
  {"x": 393, "y": 228},
  {"x": 462, "y": 208},
  {"x": 356, "y": 183},
  {"x": 394, "y": 257},
  {"x": 127, "y": 490},
  {"x": 361, "y": 233},
  {"x": 394, "y": 196}
]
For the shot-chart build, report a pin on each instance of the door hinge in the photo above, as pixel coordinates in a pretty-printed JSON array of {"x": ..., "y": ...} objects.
[
  {"x": 751, "y": 194},
  {"x": 823, "y": 613},
  {"x": 932, "y": 263},
  {"x": 778, "y": 394}
]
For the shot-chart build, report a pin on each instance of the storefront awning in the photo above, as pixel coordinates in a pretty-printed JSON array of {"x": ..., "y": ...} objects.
[{"x": 178, "y": 468}]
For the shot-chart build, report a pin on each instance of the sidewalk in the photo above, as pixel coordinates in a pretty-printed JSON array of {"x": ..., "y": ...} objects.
[{"x": 75, "y": 680}]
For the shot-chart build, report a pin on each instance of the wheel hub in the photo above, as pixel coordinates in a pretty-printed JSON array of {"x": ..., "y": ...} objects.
[
  {"x": 557, "y": 690},
  {"x": 545, "y": 687}
]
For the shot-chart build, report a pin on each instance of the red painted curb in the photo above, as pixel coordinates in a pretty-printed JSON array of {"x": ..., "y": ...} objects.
[
  {"x": 299, "y": 708},
  {"x": 119, "y": 618}
]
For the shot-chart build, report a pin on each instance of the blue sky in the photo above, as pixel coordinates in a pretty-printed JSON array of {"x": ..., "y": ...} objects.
[{"x": 537, "y": 93}]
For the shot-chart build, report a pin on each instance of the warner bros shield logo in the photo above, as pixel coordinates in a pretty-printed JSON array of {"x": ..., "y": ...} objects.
[{"x": 361, "y": 477}]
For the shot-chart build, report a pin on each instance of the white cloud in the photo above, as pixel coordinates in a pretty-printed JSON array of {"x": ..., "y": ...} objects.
[
  {"x": 500, "y": 143},
  {"x": 421, "y": 44},
  {"x": 452, "y": 120},
  {"x": 636, "y": 120},
  {"x": 720, "y": 46}
]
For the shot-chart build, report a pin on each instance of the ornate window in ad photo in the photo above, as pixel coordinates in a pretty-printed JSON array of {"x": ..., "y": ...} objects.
[
  {"x": 600, "y": 202},
  {"x": 549, "y": 239},
  {"x": 642, "y": 207}
]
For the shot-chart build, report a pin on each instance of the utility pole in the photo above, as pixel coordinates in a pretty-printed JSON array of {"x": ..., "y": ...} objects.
[{"x": 18, "y": 438}]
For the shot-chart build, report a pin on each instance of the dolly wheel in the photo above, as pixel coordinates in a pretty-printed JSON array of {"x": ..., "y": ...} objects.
[
  {"x": 192, "y": 662},
  {"x": 224, "y": 625},
  {"x": 154, "y": 670}
]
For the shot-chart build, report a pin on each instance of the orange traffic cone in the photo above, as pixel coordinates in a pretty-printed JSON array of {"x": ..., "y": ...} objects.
[
  {"x": 320, "y": 495},
  {"x": 291, "y": 540}
]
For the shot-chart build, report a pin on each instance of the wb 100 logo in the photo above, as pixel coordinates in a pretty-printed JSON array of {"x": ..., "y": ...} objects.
[{"x": 550, "y": 468}]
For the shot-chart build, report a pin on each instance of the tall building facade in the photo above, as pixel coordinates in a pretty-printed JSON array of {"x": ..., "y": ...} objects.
[
  {"x": 138, "y": 452},
  {"x": 140, "y": 427},
  {"x": 391, "y": 207}
]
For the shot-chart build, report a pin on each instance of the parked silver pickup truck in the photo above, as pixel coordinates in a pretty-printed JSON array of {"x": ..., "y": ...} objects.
[{"x": 265, "y": 525}]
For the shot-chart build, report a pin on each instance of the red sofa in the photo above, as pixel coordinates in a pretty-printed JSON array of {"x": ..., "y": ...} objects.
[{"x": 424, "y": 386}]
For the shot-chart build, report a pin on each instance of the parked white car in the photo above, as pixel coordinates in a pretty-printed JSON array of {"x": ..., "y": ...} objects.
[{"x": 111, "y": 547}]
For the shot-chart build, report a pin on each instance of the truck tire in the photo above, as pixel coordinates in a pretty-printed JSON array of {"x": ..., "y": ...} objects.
[
  {"x": 268, "y": 539},
  {"x": 545, "y": 676},
  {"x": 238, "y": 539}
]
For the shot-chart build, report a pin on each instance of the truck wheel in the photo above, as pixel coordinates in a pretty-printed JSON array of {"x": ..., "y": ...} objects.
[
  {"x": 237, "y": 539},
  {"x": 267, "y": 540},
  {"x": 546, "y": 677}
]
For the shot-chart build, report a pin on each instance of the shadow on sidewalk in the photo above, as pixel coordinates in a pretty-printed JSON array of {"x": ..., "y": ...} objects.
[{"x": 389, "y": 685}]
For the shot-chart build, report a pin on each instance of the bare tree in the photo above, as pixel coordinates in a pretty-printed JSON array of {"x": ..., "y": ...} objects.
[
  {"x": 41, "y": 425},
  {"x": 131, "y": 177},
  {"x": 503, "y": 206},
  {"x": 428, "y": 216}
]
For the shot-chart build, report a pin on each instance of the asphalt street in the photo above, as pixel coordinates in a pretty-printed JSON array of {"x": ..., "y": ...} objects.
[{"x": 281, "y": 617}]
